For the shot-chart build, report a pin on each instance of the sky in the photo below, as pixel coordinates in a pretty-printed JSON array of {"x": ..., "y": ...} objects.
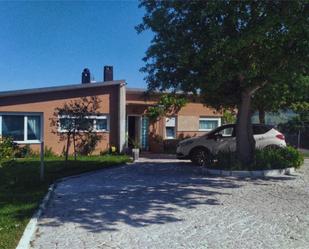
[{"x": 50, "y": 43}]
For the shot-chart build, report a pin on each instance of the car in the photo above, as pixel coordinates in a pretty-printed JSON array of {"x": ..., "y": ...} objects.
[{"x": 200, "y": 150}]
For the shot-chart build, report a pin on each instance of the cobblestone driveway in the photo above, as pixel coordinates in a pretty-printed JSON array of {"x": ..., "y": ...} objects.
[{"x": 167, "y": 204}]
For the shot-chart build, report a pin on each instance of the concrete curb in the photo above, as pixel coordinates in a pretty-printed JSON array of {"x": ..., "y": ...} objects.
[
  {"x": 24, "y": 242},
  {"x": 254, "y": 173}
]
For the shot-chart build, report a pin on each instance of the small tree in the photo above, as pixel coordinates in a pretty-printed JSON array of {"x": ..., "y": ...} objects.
[
  {"x": 167, "y": 104},
  {"x": 73, "y": 123}
]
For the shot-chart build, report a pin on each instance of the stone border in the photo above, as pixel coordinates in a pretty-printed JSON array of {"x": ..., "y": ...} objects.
[
  {"x": 24, "y": 242},
  {"x": 254, "y": 173}
]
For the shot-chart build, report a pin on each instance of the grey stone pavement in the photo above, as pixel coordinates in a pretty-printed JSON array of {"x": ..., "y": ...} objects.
[{"x": 172, "y": 204}]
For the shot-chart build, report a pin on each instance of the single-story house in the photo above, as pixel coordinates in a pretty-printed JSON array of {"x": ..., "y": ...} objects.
[{"x": 25, "y": 115}]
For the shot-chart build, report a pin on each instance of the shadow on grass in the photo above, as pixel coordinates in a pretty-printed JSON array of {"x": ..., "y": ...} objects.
[{"x": 137, "y": 195}]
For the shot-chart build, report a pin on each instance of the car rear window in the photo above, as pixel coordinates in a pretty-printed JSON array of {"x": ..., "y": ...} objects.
[{"x": 261, "y": 129}]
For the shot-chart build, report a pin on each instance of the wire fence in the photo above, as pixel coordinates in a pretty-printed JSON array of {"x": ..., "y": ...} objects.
[{"x": 299, "y": 139}]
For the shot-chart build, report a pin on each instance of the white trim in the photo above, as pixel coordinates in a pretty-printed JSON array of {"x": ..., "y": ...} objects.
[
  {"x": 208, "y": 119},
  {"x": 25, "y": 128},
  {"x": 25, "y": 114},
  {"x": 169, "y": 126},
  {"x": 105, "y": 116}
]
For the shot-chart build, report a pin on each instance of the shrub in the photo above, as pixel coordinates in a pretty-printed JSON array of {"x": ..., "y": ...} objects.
[
  {"x": 48, "y": 152},
  {"x": 88, "y": 144},
  {"x": 226, "y": 160},
  {"x": 7, "y": 148},
  {"x": 268, "y": 158},
  {"x": 278, "y": 158},
  {"x": 23, "y": 151}
]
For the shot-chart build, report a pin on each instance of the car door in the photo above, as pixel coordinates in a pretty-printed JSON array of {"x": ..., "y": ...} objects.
[{"x": 224, "y": 139}]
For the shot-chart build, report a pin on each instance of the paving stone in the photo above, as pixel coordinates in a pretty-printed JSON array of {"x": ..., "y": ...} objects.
[{"x": 171, "y": 204}]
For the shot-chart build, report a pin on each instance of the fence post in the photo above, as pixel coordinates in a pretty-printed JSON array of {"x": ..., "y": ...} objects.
[
  {"x": 298, "y": 139},
  {"x": 42, "y": 161}
]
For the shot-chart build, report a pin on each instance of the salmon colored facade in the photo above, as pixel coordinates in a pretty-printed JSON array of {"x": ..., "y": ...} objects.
[
  {"x": 124, "y": 111},
  {"x": 187, "y": 120}
]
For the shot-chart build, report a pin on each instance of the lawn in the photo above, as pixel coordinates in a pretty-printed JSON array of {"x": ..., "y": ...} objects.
[{"x": 21, "y": 190}]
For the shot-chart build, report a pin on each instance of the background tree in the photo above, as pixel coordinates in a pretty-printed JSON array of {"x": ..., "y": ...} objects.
[
  {"x": 74, "y": 119},
  {"x": 283, "y": 97},
  {"x": 226, "y": 51}
]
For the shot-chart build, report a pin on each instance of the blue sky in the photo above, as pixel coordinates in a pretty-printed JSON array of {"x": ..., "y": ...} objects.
[{"x": 49, "y": 43}]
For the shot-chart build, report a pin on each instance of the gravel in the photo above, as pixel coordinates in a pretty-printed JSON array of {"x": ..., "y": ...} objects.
[{"x": 171, "y": 204}]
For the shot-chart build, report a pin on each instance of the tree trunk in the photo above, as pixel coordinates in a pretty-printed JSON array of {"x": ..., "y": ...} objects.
[
  {"x": 244, "y": 135},
  {"x": 262, "y": 116},
  {"x": 67, "y": 147}
]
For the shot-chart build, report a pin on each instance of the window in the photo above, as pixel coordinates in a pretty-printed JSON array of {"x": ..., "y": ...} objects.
[
  {"x": 208, "y": 124},
  {"x": 95, "y": 123},
  {"x": 22, "y": 128},
  {"x": 101, "y": 123},
  {"x": 170, "y": 128},
  {"x": 227, "y": 131},
  {"x": 259, "y": 129}
]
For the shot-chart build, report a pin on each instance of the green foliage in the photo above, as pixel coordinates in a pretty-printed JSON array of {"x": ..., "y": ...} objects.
[
  {"x": 48, "y": 152},
  {"x": 76, "y": 125},
  {"x": 299, "y": 122},
  {"x": 278, "y": 158},
  {"x": 7, "y": 149},
  {"x": 24, "y": 151},
  {"x": 229, "y": 53},
  {"x": 168, "y": 104},
  {"x": 226, "y": 160},
  {"x": 268, "y": 158},
  {"x": 88, "y": 143},
  {"x": 229, "y": 116},
  {"x": 220, "y": 48}
]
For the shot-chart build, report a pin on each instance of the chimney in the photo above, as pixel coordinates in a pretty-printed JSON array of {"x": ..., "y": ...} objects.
[
  {"x": 108, "y": 73},
  {"x": 86, "y": 76}
]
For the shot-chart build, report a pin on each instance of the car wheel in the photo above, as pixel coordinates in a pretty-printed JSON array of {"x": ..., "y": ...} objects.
[{"x": 200, "y": 157}]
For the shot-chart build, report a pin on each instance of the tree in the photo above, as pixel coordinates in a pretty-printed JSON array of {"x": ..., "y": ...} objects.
[
  {"x": 74, "y": 120},
  {"x": 284, "y": 96},
  {"x": 227, "y": 52},
  {"x": 168, "y": 104}
]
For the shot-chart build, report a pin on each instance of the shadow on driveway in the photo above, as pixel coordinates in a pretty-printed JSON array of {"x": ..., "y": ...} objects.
[{"x": 137, "y": 195}]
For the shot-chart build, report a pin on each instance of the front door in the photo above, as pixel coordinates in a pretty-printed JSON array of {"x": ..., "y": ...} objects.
[
  {"x": 133, "y": 131},
  {"x": 138, "y": 132}
]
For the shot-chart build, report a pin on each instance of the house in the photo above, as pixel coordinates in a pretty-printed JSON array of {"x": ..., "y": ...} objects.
[{"x": 25, "y": 115}]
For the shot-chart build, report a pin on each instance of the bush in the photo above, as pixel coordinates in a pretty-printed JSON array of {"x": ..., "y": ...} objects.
[
  {"x": 48, "y": 152},
  {"x": 226, "y": 160},
  {"x": 278, "y": 158},
  {"x": 268, "y": 158},
  {"x": 23, "y": 151},
  {"x": 7, "y": 149}
]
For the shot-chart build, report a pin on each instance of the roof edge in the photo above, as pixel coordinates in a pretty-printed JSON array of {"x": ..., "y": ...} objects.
[{"x": 60, "y": 88}]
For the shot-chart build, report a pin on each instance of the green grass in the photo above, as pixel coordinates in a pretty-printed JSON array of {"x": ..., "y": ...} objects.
[{"x": 21, "y": 190}]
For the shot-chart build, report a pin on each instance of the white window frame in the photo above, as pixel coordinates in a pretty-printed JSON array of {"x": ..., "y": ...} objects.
[
  {"x": 166, "y": 137},
  {"x": 25, "y": 115},
  {"x": 208, "y": 119},
  {"x": 95, "y": 118}
]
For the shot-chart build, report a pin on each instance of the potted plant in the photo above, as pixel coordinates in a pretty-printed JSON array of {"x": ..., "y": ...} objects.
[{"x": 135, "y": 150}]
